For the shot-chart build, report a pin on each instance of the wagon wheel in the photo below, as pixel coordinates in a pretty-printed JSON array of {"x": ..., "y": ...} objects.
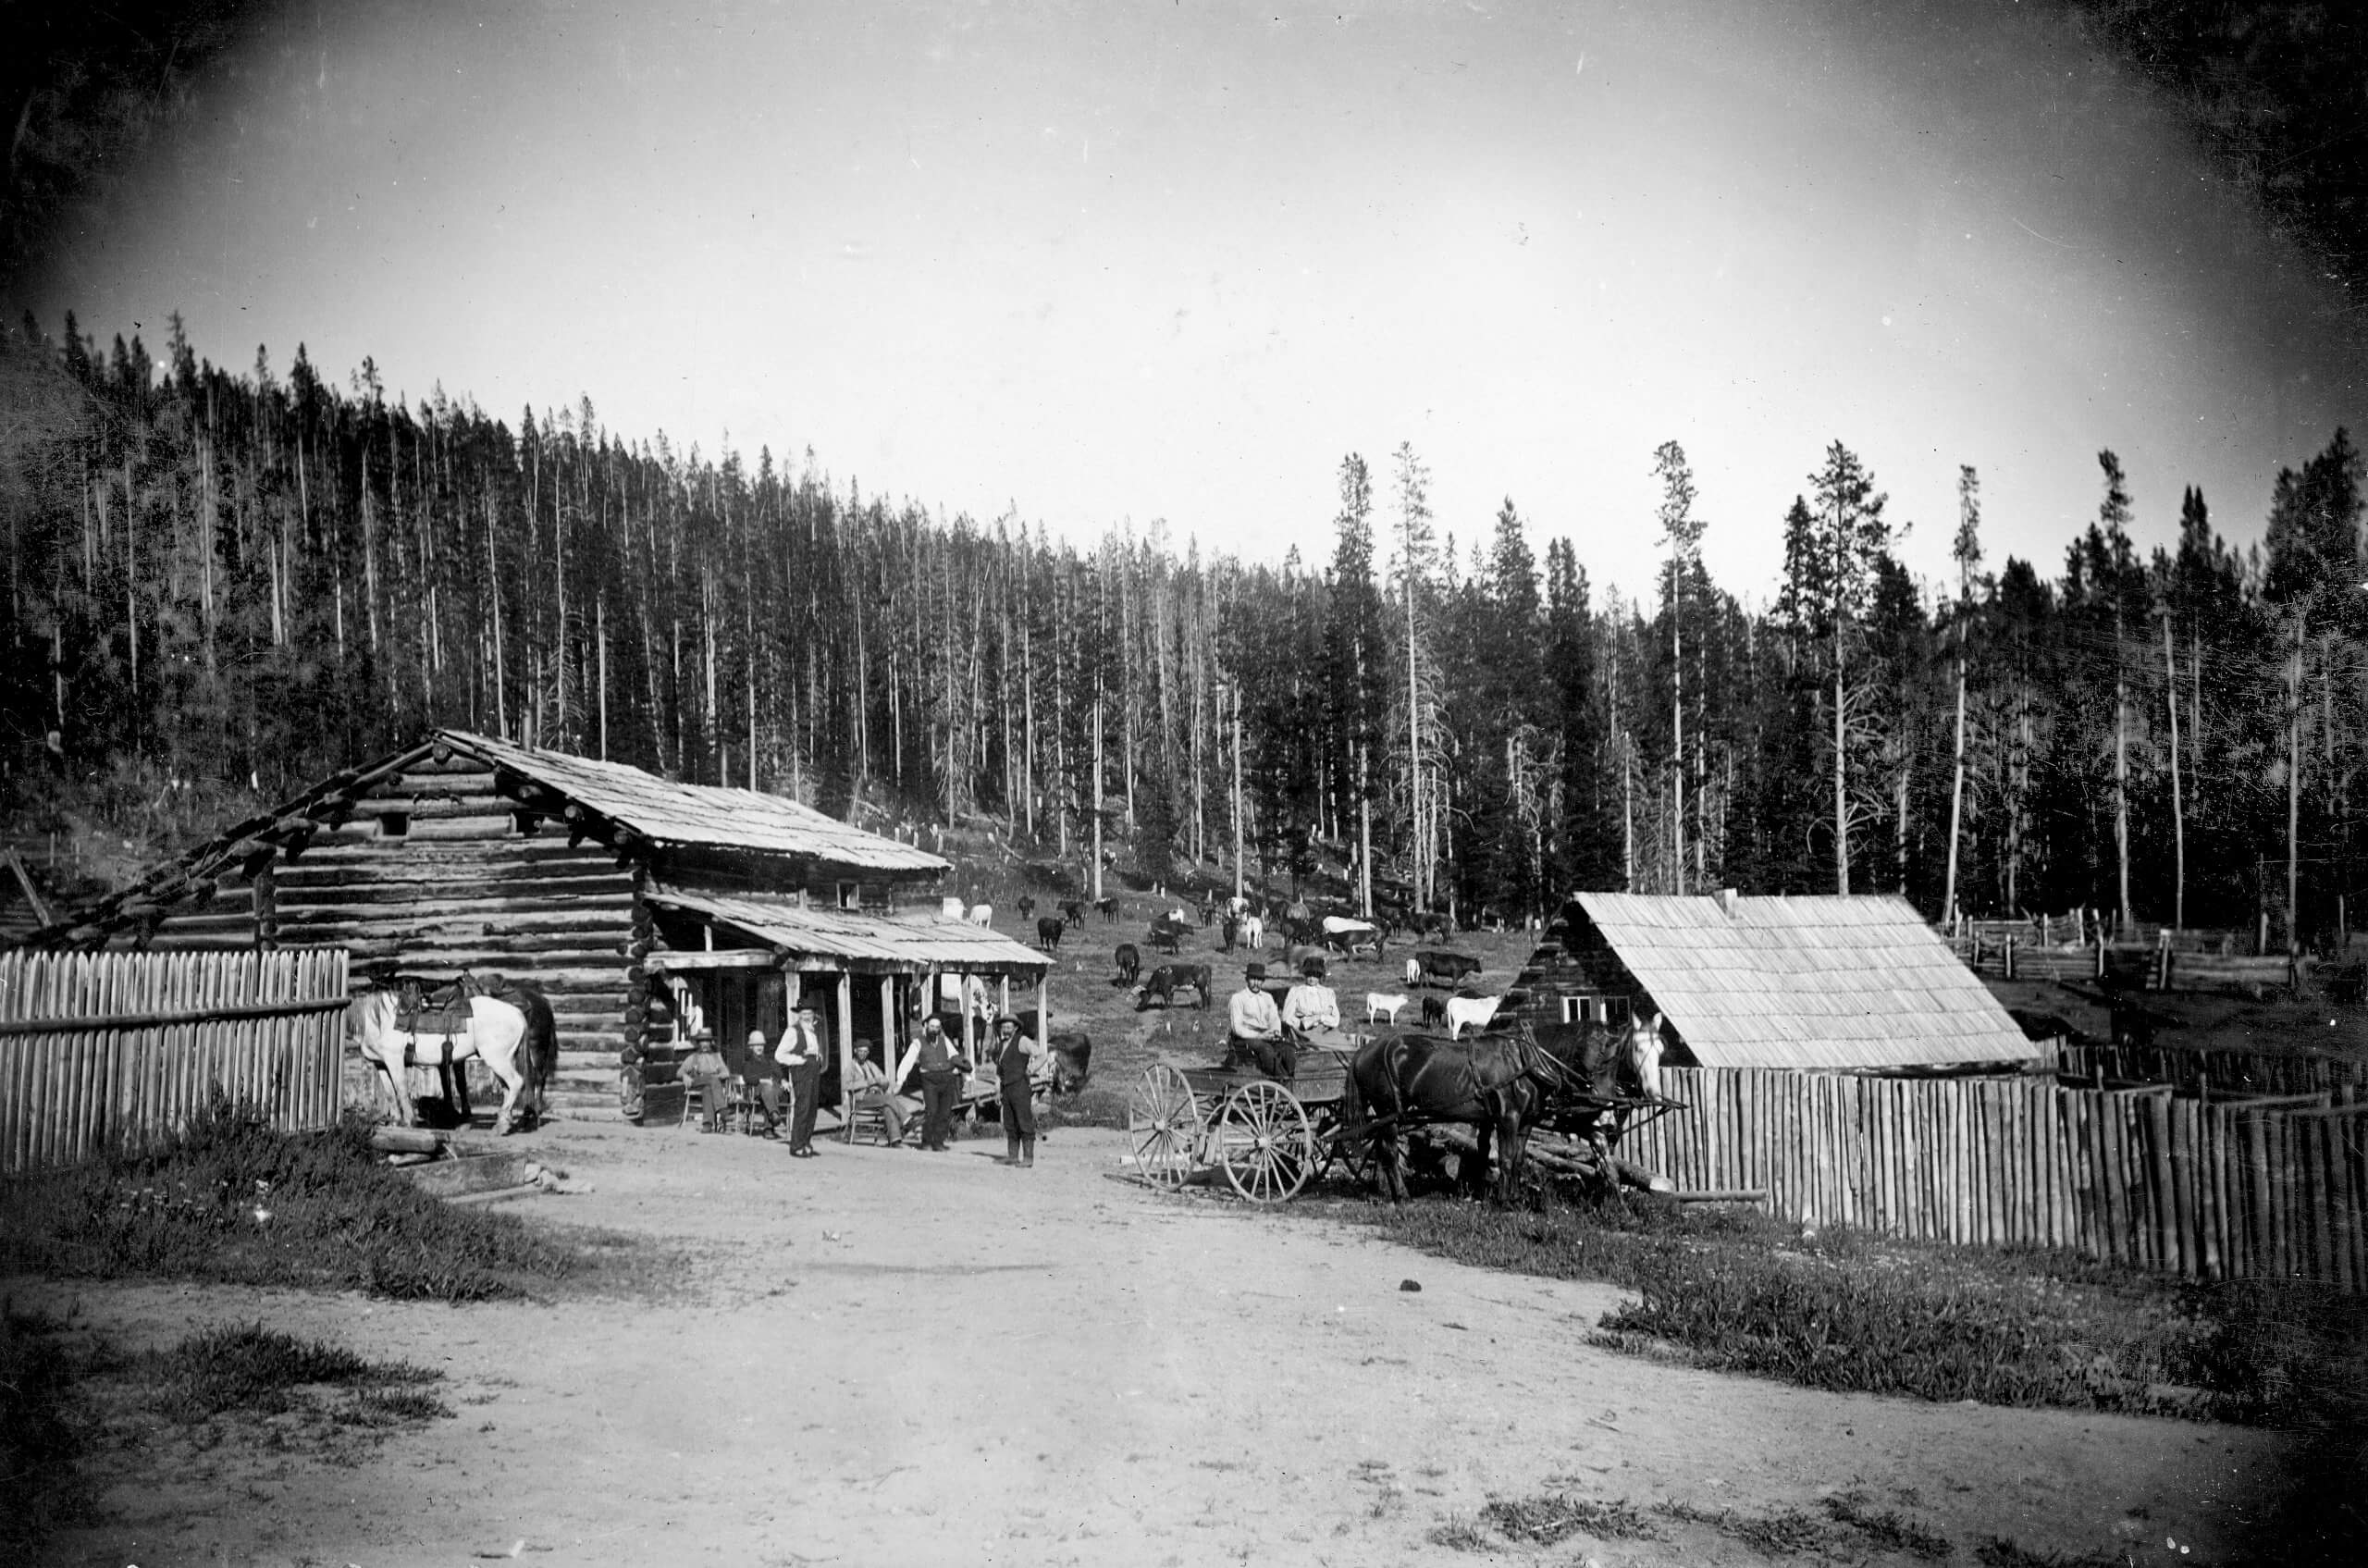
[
  {"x": 1335, "y": 1146},
  {"x": 1264, "y": 1144},
  {"x": 1163, "y": 1126}
]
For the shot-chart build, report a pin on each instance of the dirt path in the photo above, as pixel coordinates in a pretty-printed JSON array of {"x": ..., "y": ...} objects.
[{"x": 883, "y": 1356}]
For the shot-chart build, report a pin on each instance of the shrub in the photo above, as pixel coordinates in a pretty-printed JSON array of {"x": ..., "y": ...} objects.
[{"x": 230, "y": 1199}]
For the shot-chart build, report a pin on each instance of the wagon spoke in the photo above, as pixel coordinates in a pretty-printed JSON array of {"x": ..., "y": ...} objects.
[
  {"x": 1264, "y": 1144},
  {"x": 1163, "y": 1126}
]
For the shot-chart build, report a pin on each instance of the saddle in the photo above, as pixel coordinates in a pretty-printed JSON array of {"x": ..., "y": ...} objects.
[{"x": 424, "y": 1008}]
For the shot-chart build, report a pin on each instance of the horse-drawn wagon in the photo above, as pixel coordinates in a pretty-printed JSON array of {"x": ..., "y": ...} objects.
[{"x": 1269, "y": 1137}]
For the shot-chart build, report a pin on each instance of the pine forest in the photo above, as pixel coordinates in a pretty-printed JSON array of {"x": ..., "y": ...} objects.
[{"x": 251, "y": 580}]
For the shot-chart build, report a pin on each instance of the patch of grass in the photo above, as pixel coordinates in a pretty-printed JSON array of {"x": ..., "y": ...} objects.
[
  {"x": 1097, "y": 1105},
  {"x": 1550, "y": 1516},
  {"x": 251, "y": 1368},
  {"x": 1888, "y": 1528},
  {"x": 1785, "y": 1531},
  {"x": 1461, "y": 1533},
  {"x": 1848, "y": 1310},
  {"x": 2003, "y": 1552},
  {"x": 39, "y": 1438},
  {"x": 230, "y": 1199}
]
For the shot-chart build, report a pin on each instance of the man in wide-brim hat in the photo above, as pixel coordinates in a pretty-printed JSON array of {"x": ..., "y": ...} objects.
[{"x": 1254, "y": 1026}]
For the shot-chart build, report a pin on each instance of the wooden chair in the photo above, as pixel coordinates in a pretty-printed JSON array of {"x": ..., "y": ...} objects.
[{"x": 857, "y": 1120}]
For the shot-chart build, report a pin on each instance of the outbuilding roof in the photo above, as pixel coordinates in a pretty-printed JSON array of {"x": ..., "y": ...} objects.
[
  {"x": 710, "y": 816},
  {"x": 885, "y": 943},
  {"x": 1857, "y": 982}
]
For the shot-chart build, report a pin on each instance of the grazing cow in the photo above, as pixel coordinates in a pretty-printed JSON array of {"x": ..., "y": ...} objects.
[
  {"x": 1072, "y": 1061},
  {"x": 1073, "y": 911},
  {"x": 1230, "y": 931},
  {"x": 1433, "y": 1011},
  {"x": 1345, "y": 936},
  {"x": 1027, "y": 907},
  {"x": 1167, "y": 933},
  {"x": 983, "y": 914},
  {"x": 1414, "y": 972},
  {"x": 1474, "y": 1011},
  {"x": 1130, "y": 964},
  {"x": 1380, "y": 1008},
  {"x": 1447, "y": 969},
  {"x": 1162, "y": 981},
  {"x": 1109, "y": 907},
  {"x": 1253, "y": 933},
  {"x": 1048, "y": 932}
]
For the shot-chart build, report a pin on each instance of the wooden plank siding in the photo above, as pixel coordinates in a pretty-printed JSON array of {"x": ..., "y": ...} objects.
[{"x": 2209, "y": 1189}]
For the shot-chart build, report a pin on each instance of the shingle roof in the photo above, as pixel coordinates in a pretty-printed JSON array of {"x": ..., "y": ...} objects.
[
  {"x": 867, "y": 940},
  {"x": 1858, "y": 981},
  {"x": 706, "y": 815}
]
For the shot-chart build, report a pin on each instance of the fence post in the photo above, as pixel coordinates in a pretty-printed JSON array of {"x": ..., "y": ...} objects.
[{"x": 2010, "y": 957}]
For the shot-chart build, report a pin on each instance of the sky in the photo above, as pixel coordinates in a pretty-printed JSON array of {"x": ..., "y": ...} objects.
[{"x": 1095, "y": 266}]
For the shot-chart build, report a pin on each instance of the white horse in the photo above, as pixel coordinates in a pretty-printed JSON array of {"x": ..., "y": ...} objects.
[{"x": 497, "y": 1036}]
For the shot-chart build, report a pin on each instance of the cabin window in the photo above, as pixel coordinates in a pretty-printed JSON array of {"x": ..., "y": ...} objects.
[
  {"x": 394, "y": 824},
  {"x": 1615, "y": 1012},
  {"x": 850, "y": 896},
  {"x": 1578, "y": 1010}
]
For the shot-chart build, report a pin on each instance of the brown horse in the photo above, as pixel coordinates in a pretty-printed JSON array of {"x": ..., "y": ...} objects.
[{"x": 1500, "y": 1084}]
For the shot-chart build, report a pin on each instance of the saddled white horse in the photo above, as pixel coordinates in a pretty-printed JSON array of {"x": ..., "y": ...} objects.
[{"x": 498, "y": 1035}]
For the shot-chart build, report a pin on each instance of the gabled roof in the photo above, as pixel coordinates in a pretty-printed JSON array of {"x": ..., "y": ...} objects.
[
  {"x": 887, "y": 943},
  {"x": 1858, "y": 981},
  {"x": 708, "y": 816}
]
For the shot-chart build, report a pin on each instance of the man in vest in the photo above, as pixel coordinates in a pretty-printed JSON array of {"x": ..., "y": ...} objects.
[
  {"x": 801, "y": 1057},
  {"x": 1015, "y": 1058},
  {"x": 941, "y": 1067}
]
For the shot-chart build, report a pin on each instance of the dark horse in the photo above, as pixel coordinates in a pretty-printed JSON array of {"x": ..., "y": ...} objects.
[{"x": 1500, "y": 1084}]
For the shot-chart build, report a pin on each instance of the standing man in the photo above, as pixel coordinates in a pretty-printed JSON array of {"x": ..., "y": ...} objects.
[
  {"x": 942, "y": 1067},
  {"x": 1015, "y": 1058},
  {"x": 801, "y": 1057}
]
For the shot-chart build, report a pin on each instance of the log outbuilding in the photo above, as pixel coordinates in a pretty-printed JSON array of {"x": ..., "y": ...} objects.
[
  {"x": 635, "y": 902},
  {"x": 1831, "y": 984}
]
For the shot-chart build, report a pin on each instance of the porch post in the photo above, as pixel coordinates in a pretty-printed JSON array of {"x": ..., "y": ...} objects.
[
  {"x": 968, "y": 1033},
  {"x": 846, "y": 1036},
  {"x": 888, "y": 1020},
  {"x": 1044, "y": 1015}
]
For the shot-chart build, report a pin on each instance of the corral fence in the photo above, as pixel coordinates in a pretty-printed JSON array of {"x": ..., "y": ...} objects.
[
  {"x": 99, "y": 1050},
  {"x": 2212, "y": 1184},
  {"x": 2079, "y": 946}
]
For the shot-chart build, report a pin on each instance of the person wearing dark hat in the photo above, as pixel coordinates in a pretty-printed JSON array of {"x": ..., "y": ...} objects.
[
  {"x": 1014, "y": 1055},
  {"x": 1254, "y": 1027},
  {"x": 801, "y": 1057},
  {"x": 870, "y": 1090},
  {"x": 703, "y": 1074}
]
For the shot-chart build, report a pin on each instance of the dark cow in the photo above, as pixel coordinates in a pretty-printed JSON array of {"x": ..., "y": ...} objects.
[
  {"x": 1162, "y": 981},
  {"x": 1446, "y": 968},
  {"x": 1072, "y": 1061},
  {"x": 1168, "y": 935},
  {"x": 1073, "y": 911},
  {"x": 1231, "y": 929},
  {"x": 1434, "y": 1012},
  {"x": 1027, "y": 907},
  {"x": 1109, "y": 907},
  {"x": 1299, "y": 931},
  {"x": 1048, "y": 932},
  {"x": 1130, "y": 964}
]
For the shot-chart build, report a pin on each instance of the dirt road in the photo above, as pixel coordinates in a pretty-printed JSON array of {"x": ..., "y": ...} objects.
[{"x": 883, "y": 1357}]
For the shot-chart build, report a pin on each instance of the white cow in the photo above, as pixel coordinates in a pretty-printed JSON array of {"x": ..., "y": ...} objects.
[
  {"x": 1253, "y": 934},
  {"x": 1379, "y": 1008},
  {"x": 951, "y": 908},
  {"x": 983, "y": 914},
  {"x": 1474, "y": 1010},
  {"x": 1414, "y": 972}
]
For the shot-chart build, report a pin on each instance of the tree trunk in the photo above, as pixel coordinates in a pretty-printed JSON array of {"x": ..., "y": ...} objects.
[
  {"x": 2178, "y": 807},
  {"x": 1956, "y": 785}
]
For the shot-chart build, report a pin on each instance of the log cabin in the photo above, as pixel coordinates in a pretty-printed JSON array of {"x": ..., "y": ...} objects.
[
  {"x": 639, "y": 905},
  {"x": 1831, "y": 984}
]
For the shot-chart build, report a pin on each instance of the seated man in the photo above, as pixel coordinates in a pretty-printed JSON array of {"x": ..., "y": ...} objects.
[
  {"x": 1311, "y": 1014},
  {"x": 704, "y": 1075},
  {"x": 756, "y": 1067},
  {"x": 870, "y": 1090},
  {"x": 1254, "y": 1030}
]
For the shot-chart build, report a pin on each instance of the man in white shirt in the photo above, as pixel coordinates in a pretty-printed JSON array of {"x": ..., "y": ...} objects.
[
  {"x": 1254, "y": 1030},
  {"x": 801, "y": 1057}
]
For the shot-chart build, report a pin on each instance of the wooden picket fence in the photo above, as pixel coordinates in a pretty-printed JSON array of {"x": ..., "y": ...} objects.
[
  {"x": 2211, "y": 1189},
  {"x": 98, "y": 1050}
]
